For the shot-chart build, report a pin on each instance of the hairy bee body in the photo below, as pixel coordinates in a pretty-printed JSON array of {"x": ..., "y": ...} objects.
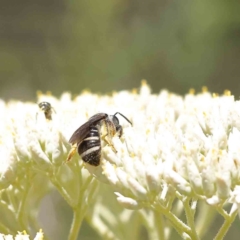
[{"x": 87, "y": 138}]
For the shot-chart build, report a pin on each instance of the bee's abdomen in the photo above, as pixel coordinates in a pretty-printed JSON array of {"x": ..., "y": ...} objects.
[{"x": 90, "y": 147}]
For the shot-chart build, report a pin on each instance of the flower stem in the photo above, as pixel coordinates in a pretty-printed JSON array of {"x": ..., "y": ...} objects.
[
  {"x": 159, "y": 232},
  {"x": 4, "y": 229},
  {"x": 226, "y": 225},
  {"x": 21, "y": 210},
  {"x": 179, "y": 226},
  {"x": 76, "y": 224},
  {"x": 190, "y": 218},
  {"x": 61, "y": 190},
  {"x": 204, "y": 218},
  {"x": 154, "y": 222}
]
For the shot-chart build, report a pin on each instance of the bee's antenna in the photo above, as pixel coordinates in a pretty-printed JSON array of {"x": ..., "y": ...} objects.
[{"x": 123, "y": 117}]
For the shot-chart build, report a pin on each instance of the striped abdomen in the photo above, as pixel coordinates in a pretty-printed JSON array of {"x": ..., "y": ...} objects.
[{"x": 90, "y": 148}]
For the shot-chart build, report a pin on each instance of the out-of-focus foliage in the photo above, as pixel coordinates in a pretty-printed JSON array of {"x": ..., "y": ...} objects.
[{"x": 112, "y": 45}]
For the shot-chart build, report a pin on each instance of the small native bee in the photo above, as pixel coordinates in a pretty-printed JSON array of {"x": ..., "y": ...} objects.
[
  {"x": 47, "y": 109},
  {"x": 87, "y": 137}
]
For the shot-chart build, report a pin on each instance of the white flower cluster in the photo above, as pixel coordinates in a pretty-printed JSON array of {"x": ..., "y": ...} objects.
[
  {"x": 178, "y": 147},
  {"x": 184, "y": 145}
]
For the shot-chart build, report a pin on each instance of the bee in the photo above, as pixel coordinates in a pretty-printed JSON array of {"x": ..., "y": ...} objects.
[
  {"x": 47, "y": 109},
  {"x": 87, "y": 137}
]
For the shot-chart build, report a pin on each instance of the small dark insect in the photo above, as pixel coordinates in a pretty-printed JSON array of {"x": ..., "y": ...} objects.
[
  {"x": 86, "y": 139},
  {"x": 47, "y": 109}
]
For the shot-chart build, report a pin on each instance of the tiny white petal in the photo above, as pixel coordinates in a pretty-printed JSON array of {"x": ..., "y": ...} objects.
[
  {"x": 22, "y": 237},
  {"x": 223, "y": 185},
  {"x": 127, "y": 202},
  {"x": 234, "y": 208},
  {"x": 164, "y": 192},
  {"x": 152, "y": 178},
  {"x": 145, "y": 89},
  {"x": 8, "y": 166},
  {"x": 214, "y": 200},
  {"x": 53, "y": 147},
  {"x": 110, "y": 155},
  {"x": 137, "y": 189},
  {"x": 110, "y": 172},
  {"x": 39, "y": 236},
  {"x": 195, "y": 178},
  {"x": 235, "y": 196},
  {"x": 8, "y": 237},
  {"x": 208, "y": 181},
  {"x": 178, "y": 182},
  {"x": 122, "y": 177}
]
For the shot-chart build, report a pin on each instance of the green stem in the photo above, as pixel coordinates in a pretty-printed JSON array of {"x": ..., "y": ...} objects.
[
  {"x": 11, "y": 199},
  {"x": 193, "y": 206},
  {"x": 153, "y": 221},
  {"x": 4, "y": 229},
  {"x": 79, "y": 212},
  {"x": 177, "y": 208},
  {"x": 7, "y": 206},
  {"x": 76, "y": 224},
  {"x": 159, "y": 232},
  {"x": 179, "y": 226},
  {"x": 222, "y": 211},
  {"x": 64, "y": 193},
  {"x": 190, "y": 218},
  {"x": 20, "y": 212},
  {"x": 61, "y": 190},
  {"x": 226, "y": 225},
  {"x": 204, "y": 218}
]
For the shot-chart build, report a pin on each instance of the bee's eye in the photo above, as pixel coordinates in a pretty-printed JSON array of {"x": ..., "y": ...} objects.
[
  {"x": 119, "y": 130},
  {"x": 115, "y": 121}
]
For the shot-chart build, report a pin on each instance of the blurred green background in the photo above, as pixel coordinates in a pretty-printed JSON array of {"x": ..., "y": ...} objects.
[{"x": 110, "y": 45}]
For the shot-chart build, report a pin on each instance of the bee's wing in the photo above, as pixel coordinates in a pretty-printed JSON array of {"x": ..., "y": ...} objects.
[{"x": 83, "y": 130}]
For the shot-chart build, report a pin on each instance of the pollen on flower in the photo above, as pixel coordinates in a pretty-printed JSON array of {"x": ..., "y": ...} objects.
[
  {"x": 227, "y": 92},
  {"x": 144, "y": 83},
  {"x": 204, "y": 89},
  {"x": 191, "y": 91},
  {"x": 134, "y": 91},
  {"x": 39, "y": 235}
]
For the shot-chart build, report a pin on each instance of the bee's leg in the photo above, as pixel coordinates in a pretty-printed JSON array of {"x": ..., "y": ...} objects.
[
  {"x": 109, "y": 142},
  {"x": 71, "y": 153}
]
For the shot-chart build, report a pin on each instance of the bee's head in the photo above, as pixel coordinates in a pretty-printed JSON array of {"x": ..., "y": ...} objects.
[
  {"x": 44, "y": 105},
  {"x": 115, "y": 121}
]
